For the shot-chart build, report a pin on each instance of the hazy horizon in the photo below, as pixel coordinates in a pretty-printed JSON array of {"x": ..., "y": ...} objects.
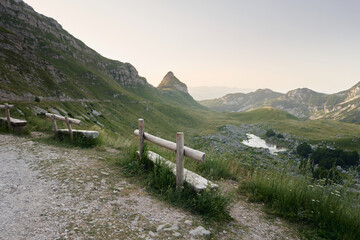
[{"x": 280, "y": 45}]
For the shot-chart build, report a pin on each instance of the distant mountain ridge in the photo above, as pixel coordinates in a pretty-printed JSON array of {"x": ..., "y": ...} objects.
[{"x": 301, "y": 102}]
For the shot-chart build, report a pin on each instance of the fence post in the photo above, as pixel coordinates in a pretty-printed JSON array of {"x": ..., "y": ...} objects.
[
  {"x": 141, "y": 136},
  {"x": 69, "y": 127},
  {"x": 8, "y": 116},
  {"x": 54, "y": 124},
  {"x": 179, "y": 159}
]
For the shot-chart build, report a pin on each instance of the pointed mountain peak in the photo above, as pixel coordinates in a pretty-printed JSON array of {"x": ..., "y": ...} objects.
[{"x": 171, "y": 82}]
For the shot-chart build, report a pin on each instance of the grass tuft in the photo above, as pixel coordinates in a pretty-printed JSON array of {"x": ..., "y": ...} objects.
[
  {"x": 334, "y": 211},
  {"x": 160, "y": 180}
]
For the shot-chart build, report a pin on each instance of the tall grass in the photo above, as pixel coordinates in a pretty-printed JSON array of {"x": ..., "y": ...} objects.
[
  {"x": 160, "y": 180},
  {"x": 333, "y": 210}
]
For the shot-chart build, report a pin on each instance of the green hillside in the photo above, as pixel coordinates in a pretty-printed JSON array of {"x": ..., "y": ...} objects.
[{"x": 39, "y": 59}]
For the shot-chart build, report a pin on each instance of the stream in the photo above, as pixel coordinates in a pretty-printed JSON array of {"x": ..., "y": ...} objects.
[{"x": 257, "y": 142}]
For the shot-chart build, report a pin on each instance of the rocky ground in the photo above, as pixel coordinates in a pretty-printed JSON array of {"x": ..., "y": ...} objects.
[{"x": 48, "y": 192}]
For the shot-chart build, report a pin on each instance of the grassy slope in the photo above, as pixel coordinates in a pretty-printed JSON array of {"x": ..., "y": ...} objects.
[{"x": 164, "y": 120}]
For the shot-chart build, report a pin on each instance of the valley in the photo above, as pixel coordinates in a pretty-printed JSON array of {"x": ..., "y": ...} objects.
[{"x": 44, "y": 69}]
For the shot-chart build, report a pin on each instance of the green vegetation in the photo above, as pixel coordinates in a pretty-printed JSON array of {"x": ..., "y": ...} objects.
[
  {"x": 334, "y": 211},
  {"x": 270, "y": 133},
  {"x": 109, "y": 96},
  {"x": 327, "y": 158},
  {"x": 160, "y": 180},
  {"x": 304, "y": 150}
]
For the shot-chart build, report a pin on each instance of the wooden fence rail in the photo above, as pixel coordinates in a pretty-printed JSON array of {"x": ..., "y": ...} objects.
[
  {"x": 67, "y": 120},
  {"x": 177, "y": 147}
]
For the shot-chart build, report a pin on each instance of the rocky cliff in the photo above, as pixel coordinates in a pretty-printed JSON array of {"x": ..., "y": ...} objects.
[{"x": 38, "y": 57}]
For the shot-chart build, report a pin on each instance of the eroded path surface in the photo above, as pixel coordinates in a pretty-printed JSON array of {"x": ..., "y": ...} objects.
[{"x": 47, "y": 192}]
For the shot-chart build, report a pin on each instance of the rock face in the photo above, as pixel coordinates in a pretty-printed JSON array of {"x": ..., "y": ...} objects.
[
  {"x": 39, "y": 58},
  {"x": 171, "y": 82},
  {"x": 301, "y": 102}
]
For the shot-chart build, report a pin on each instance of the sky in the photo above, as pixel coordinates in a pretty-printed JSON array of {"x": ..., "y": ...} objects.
[{"x": 251, "y": 44}]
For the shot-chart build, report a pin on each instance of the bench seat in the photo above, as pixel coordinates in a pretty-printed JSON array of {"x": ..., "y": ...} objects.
[
  {"x": 85, "y": 133},
  {"x": 196, "y": 181},
  {"x": 15, "y": 122}
]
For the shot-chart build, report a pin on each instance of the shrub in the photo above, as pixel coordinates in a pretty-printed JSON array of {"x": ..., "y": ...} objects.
[
  {"x": 280, "y": 135},
  {"x": 270, "y": 133},
  {"x": 37, "y": 99},
  {"x": 304, "y": 150},
  {"x": 326, "y": 158}
]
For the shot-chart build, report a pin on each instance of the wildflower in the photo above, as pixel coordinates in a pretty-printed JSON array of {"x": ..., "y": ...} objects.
[
  {"x": 332, "y": 193},
  {"x": 337, "y": 191},
  {"x": 310, "y": 186},
  {"x": 331, "y": 211},
  {"x": 313, "y": 200},
  {"x": 337, "y": 195}
]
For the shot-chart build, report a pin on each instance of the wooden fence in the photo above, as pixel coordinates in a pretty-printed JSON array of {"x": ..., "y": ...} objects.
[
  {"x": 177, "y": 147},
  {"x": 67, "y": 120},
  {"x": 12, "y": 122}
]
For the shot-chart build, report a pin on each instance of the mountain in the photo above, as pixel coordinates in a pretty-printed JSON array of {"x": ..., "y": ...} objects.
[
  {"x": 239, "y": 102},
  {"x": 301, "y": 102},
  {"x": 172, "y": 88},
  {"x": 171, "y": 82},
  {"x": 40, "y": 60}
]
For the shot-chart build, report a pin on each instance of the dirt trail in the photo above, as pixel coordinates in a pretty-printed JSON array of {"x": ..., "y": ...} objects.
[{"x": 48, "y": 192}]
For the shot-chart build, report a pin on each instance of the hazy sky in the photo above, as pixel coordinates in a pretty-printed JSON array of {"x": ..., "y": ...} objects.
[{"x": 279, "y": 44}]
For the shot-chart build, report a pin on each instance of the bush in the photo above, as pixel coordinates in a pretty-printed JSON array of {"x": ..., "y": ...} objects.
[
  {"x": 37, "y": 99},
  {"x": 326, "y": 158},
  {"x": 304, "y": 150},
  {"x": 270, "y": 133},
  {"x": 280, "y": 135}
]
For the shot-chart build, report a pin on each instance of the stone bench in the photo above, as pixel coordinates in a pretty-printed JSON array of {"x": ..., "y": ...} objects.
[
  {"x": 83, "y": 133},
  {"x": 196, "y": 181},
  {"x": 69, "y": 130},
  {"x": 13, "y": 123}
]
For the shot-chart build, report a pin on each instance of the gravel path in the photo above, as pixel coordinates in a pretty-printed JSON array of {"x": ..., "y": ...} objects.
[{"x": 48, "y": 192}]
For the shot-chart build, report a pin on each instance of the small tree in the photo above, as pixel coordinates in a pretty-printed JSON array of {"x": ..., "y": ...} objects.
[
  {"x": 270, "y": 133},
  {"x": 304, "y": 149}
]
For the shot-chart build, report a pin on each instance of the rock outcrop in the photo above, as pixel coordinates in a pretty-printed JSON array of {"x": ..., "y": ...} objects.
[{"x": 171, "y": 82}]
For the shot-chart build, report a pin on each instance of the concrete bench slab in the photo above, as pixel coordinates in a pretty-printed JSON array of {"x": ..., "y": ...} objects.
[
  {"x": 16, "y": 123},
  {"x": 196, "y": 181},
  {"x": 85, "y": 133}
]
